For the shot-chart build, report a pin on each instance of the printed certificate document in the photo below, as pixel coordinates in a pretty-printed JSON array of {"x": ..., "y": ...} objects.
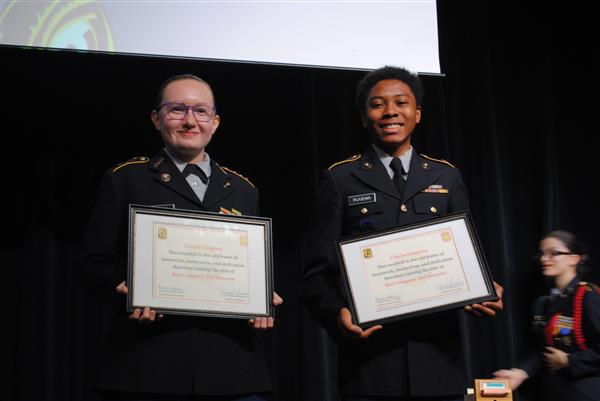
[
  {"x": 188, "y": 262},
  {"x": 413, "y": 270}
]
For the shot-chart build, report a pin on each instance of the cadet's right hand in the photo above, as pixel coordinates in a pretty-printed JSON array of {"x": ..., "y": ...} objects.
[
  {"x": 146, "y": 315},
  {"x": 349, "y": 329},
  {"x": 516, "y": 376}
]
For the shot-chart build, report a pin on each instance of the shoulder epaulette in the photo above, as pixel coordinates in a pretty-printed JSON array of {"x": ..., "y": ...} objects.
[
  {"x": 227, "y": 170},
  {"x": 588, "y": 286},
  {"x": 350, "y": 159},
  {"x": 133, "y": 160},
  {"x": 438, "y": 160}
]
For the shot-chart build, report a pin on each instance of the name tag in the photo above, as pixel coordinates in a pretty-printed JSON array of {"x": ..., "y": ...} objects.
[{"x": 361, "y": 199}]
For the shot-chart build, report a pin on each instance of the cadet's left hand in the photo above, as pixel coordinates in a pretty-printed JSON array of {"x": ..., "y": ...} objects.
[
  {"x": 264, "y": 323},
  {"x": 555, "y": 359},
  {"x": 488, "y": 308}
]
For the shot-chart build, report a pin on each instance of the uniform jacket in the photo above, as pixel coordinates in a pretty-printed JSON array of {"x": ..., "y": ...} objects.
[
  {"x": 554, "y": 325},
  {"x": 418, "y": 356},
  {"x": 177, "y": 355}
]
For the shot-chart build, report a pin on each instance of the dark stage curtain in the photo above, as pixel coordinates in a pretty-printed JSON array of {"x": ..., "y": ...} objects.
[{"x": 514, "y": 112}]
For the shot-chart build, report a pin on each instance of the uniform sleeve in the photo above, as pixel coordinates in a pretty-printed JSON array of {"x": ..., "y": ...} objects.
[
  {"x": 102, "y": 266},
  {"x": 533, "y": 363},
  {"x": 319, "y": 286},
  {"x": 459, "y": 197},
  {"x": 587, "y": 362}
]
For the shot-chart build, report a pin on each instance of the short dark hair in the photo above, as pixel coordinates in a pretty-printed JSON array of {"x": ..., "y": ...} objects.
[
  {"x": 574, "y": 245},
  {"x": 161, "y": 90},
  {"x": 383, "y": 73}
]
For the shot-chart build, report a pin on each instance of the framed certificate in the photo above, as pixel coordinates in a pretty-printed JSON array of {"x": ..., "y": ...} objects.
[
  {"x": 197, "y": 263},
  {"x": 414, "y": 270}
]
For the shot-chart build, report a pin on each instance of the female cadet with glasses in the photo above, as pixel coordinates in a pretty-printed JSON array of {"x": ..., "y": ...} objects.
[
  {"x": 567, "y": 324},
  {"x": 174, "y": 358}
]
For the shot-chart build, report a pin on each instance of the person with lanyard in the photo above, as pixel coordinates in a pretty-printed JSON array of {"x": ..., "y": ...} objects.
[
  {"x": 567, "y": 326},
  {"x": 172, "y": 358},
  {"x": 390, "y": 185}
]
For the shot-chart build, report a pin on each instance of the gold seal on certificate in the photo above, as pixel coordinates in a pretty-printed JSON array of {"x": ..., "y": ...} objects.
[
  {"x": 198, "y": 263},
  {"x": 413, "y": 270}
]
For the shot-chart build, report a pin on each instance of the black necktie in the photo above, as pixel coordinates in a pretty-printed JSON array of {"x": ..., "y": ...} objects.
[
  {"x": 197, "y": 171},
  {"x": 398, "y": 169}
]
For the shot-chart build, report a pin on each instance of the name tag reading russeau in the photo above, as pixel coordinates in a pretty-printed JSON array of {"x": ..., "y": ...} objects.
[{"x": 361, "y": 199}]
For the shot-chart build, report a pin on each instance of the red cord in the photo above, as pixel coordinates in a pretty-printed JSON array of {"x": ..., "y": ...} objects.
[{"x": 577, "y": 307}]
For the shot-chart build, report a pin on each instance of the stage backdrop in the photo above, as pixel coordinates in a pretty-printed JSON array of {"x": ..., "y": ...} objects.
[{"x": 512, "y": 113}]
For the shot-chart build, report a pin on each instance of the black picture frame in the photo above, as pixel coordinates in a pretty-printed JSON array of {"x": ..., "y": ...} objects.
[
  {"x": 366, "y": 283},
  {"x": 196, "y": 264}
]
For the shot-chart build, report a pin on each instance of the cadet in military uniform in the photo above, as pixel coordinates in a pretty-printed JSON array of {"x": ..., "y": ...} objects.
[
  {"x": 567, "y": 326},
  {"x": 148, "y": 356},
  {"x": 390, "y": 185}
]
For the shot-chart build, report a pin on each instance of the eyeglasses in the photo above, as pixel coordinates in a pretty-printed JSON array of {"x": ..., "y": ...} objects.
[
  {"x": 178, "y": 111},
  {"x": 552, "y": 253}
]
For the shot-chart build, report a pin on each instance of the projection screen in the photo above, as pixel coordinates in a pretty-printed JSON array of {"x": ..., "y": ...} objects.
[{"x": 334, "y": 34}]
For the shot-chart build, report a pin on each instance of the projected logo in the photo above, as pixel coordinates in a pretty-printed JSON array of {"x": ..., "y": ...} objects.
[{"x": 61, "y": 24}]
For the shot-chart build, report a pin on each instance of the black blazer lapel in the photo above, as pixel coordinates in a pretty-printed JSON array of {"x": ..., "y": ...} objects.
[
  {"x": 219, "y": 186},
  {"x": 374, "y": 174},
  {"x": 170, "y": 176},
  {"x": 421, "y": 174}
]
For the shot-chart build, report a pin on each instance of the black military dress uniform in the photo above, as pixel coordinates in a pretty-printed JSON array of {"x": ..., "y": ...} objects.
[
  {"x": 419, "y": 356},
  {"x": 176, "y": 355},
  {"x": 571, "y": 323}
]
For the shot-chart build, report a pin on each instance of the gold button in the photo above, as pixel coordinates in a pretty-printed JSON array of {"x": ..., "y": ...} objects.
[
  {"x": 425, "y": 165},
  {"x": 403, "y": 208},
  {"x": 367, "y": 166},
  {"x": 433, "y": 209},
  {"x": 166, "y": 177},
  {"x": 364, "y": 210},
  {"x": 226, "y": 184}
]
